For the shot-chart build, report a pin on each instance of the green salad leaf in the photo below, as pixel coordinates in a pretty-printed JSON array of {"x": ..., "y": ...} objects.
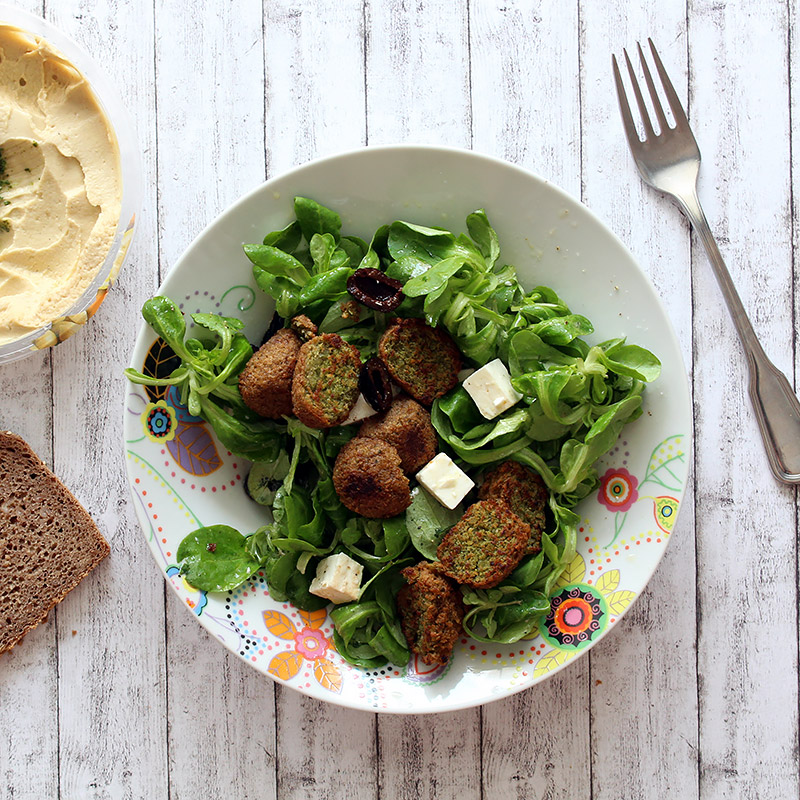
[{"x": 577, "y": 394}]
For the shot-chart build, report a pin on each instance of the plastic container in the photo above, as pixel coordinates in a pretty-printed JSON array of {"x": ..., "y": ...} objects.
[{"x": 73, "y": 320}]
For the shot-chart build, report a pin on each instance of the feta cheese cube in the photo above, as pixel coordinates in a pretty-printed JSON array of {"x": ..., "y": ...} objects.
[
  {"x": 491, "y": 390},
  {"x": 338, "y": 579},
  {"x": 445, "y": 481}
]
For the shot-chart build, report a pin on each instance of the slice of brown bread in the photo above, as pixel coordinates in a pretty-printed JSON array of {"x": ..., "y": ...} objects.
[{"x": 48, "y": 542}]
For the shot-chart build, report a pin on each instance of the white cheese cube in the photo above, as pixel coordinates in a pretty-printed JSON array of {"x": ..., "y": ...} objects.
[
  {"x": 445, "y": 481},
  {"x": 338, "y": 579},
  {"x": 490, "y": 388},
  {"x": 360, "y": 411}
]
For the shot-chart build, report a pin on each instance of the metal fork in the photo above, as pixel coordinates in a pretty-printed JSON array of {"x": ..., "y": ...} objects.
[{"x": 670, "y": 161}]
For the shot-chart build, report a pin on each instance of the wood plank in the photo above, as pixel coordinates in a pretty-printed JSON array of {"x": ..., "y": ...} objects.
[
  {"x": 417, "y": 59},
  {"x": 314, "y": 99},
  {"x": 418, "y": 90},
  {"x": 210, "y": 152},
  {"x": 643, "y": 680},
  {"x": 314, "y": 94},
  {"x": 525, "y": 100},
  {"x": 746, "y": 535},
  {"x": 111, "y": 670}
]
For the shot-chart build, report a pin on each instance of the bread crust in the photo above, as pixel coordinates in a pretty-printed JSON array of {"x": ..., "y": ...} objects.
[{"x": 48, "y": 541}]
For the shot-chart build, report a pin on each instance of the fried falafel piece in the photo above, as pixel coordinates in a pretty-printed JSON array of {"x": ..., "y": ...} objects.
[
  {"x": 431, "y": 611},
  {"x": 407, "y": 427},
  {"x": 265, "y": 383},
  {"x": 422, "y": 360},
  {"x": 523, "y": 491},
  {"x": 369, "y": 480},
  {"x": 303, "y": 327},
  {"x": 325, "y": 384},
  {"x": 485, "y": 545}
]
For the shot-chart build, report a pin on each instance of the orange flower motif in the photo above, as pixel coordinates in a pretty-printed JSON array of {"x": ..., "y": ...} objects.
[{"x": 310, "y": 644}]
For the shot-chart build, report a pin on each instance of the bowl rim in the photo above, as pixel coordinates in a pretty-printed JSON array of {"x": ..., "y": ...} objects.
[
  {"x": 124, "y": 133},
  {"x": 680, "y": 387}
]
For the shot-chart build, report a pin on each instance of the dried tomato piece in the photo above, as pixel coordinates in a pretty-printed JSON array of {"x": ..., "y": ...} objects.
[
  {"x": 375, "y": 289},
  {"x": 375, "y": 384}
]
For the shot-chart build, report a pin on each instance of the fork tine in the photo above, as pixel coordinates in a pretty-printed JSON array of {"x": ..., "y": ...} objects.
[
  {"x": 624, "y": 109},
  {"x": 649, "y": 133},
  {"x": 648, "y": 79},
  {"x": 669, "y": 91}
]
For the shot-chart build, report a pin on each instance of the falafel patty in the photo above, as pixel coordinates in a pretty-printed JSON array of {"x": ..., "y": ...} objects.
[
  {"x": 265, "y": 383},
  {"x": 485, "y": 545},
  {"x": 369, "y": 480},
  {"x": 523, "y": 491},
  {"x": 422, "y": 360},
  {"x": 325, "y": 385},
  {"x": 431, "y": 611},
  {"x": 407, "y": 427}
]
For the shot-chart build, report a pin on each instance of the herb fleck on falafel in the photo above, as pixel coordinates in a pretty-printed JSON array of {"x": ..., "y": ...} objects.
[
  {"x": 325, "y": 385},
  {"x": 431, "y": 611},
  {"x": 484, "y": 546},
  {"x": 422, "y": 360}
]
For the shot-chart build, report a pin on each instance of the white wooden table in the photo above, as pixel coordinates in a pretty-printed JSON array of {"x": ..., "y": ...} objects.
[{"x": 695, "y": 694}]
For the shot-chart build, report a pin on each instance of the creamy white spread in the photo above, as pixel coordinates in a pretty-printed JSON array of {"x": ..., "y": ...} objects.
[{"x": 61, "y": 195}]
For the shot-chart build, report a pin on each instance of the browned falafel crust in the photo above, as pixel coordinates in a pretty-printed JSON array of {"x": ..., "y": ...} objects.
[
  {"x": 325, "y": 385},
  {"x": 369, "y": 480},
  {"x": 422, "y": 360},
  {"x": 407, "y": 427},
  {"x": 523, "y": 491},
  {"x": 431, "y": 611},
  {"x": 484, "y": 546},
  {"x": 303, "y": 327},
  {"x": 265, "y": 383}
]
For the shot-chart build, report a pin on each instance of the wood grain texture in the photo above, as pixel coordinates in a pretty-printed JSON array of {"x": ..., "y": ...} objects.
[
  {"x": 314, "y": 94},
  {"x": 748, "y": 685},
  {"x": 324, "y": 750},
  {"x": 418, "y": 67},
  {"x": 523, "y": 54},
  {"x": 642, "y": 677},
  {"x": 695, "y": 694},
  {"x": 111, "y": 672},
  {"x": 314, "y": 102},
  {"x": 418, "y": 80},
  {"x": 29, "y": 673},
  {"x": 221, "y": 728}
]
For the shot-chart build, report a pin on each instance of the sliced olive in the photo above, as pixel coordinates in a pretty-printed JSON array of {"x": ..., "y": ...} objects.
[
  {"x": 375, "y": 289},
  {"x": 375, "y": 384}
]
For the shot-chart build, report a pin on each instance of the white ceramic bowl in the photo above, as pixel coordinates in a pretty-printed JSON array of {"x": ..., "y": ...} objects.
[
  {"x": 552, "y": 239},
  {"x": 74, "y": 318}
]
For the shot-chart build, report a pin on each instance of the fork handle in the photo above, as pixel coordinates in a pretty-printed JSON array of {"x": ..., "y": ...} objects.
[{"x": 776, "y": 405}]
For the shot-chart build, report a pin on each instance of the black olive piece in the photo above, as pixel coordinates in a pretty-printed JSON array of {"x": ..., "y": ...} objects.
[
  {"x": 375, "y": 289},
  {"x": 274, "y": 326},
  {"x": 375, "y": 384}
]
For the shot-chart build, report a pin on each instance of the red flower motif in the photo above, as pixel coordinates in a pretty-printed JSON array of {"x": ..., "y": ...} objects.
[
  {"x": 618, "y": 489},
  {"x": 311, "y": 643}
]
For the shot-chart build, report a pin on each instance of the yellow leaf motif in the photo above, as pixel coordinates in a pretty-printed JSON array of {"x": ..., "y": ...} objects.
[
  {"x": 551, "y": 660},
  {"x": 619, "y": 601},
  {"x": 279, "y": 624},
  {"x": 313, "y": 619},
  {"x": 285, "y": 665},
  {"x": 573, "y": 573},
  {"x": 328, "y": 675},
  {"x": 608, "y": 581}
]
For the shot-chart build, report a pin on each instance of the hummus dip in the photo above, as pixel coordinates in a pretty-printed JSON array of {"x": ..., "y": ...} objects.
[{"x": 60, "y": 184}]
